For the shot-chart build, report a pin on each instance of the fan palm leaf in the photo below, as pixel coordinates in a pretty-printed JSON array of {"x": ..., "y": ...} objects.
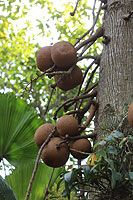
[
  {"x": 20, "y": 178},
  {"x": 6, "y": 191},
  {"x": 18, "y": 123}
]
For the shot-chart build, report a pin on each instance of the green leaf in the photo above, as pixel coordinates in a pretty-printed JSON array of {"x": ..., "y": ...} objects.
[
  {"x": 111, "y": 150},
  {"x": 118, "y": 134},
  {"x": 110, "y": 162},
  {"x": 110, "y": 138},
  {"x": 66, "y": 192},
  {"x": 121, "y": 144},
  {"x": 18, "y": 123},
  {"x": 22, "y": 175},
  {"x": 95, "y": 145},
  {"x": 131, "y": 175},
  {"x": 86, "y": 170},
  {"x": 130, "y": 137},
  {"x": 113, "y": 179},
  {"x": 102, "y": 153},
  {"x": 68, "y": 176},
  {"x": 59, "y": 183},
  {"x": 103, "y": 142},
  {"x": 6, "y": 191},
  {"x": 116, "y": 176},
  {"x": 119, "y": 176}
]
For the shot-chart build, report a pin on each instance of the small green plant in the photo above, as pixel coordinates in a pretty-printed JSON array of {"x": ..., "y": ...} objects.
[{"x": 109, "y": 176}]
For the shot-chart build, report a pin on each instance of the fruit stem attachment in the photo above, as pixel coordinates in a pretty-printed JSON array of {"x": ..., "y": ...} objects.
[
  {"x": 61, "y": 72},
  {"x": 36, "y": 78},
  {"x": 68, "y": 139},
  {"x": 82, "y": 152},
  {"x": 37, "y": 163},
  {"x": 99, "y": 33},
  {"x": 58, "y": 145}
]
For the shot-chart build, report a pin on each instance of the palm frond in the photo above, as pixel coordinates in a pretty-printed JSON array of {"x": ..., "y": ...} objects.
[
  {"x": 18, "y": 123},
  {"x": 6, "y": 191},
  {"x": 20, "y": 178}
]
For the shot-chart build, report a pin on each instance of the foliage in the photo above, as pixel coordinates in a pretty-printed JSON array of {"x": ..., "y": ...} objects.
[
  {"x": 6, "y": 191},
  {"x": 18, "y": 123},
  {"x": 110, "y": 175},
  {"x": 22, "y": 176},
  {"x": 57, "y": 194},
  {"x": 19, "y": 47}
]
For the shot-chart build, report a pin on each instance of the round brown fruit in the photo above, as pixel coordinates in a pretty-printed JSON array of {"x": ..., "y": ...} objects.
[
  {"x": 82, "y": 145},
  {"x": 44, "y": 60},
  {"x": 53, "y": 156},
  {"x": 42, "y": 133},
  {"x": 69, "y": 81},
  {"x": 130, "y": 114},
  {"x": 67, "y": 125},
  {"x": 63, "y": 54}
]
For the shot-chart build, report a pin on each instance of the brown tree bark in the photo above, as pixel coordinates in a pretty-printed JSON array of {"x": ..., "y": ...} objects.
[{"x": 115, "y": 88}]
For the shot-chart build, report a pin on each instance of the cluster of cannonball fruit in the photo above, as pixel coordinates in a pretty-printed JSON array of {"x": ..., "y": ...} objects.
[
  {"x": 56, "y": 152},
  {"x": 63, "y": 56}
]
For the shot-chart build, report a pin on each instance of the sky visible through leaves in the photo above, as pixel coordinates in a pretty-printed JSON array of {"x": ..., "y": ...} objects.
[{"x": 34, "y": 16}]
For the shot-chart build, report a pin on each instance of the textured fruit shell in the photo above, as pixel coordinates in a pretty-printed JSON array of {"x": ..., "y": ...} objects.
[
  {"x": 44, "y": 60},
  {"x": 82, "y": 145},
  {"x": 42, "y": 133},
  {"x": 54, "y": 157},
  {"x": 63, "y": 54},
  {"x": 70, "y": 81},
  {"x": 67, "y": 125},
  {"x": 130, "y": 114}
]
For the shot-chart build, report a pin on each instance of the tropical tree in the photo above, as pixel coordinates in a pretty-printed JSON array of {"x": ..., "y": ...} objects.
[{"x": 106, "y": 92}]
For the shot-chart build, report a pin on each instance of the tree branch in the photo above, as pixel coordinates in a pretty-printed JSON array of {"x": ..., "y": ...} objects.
[
  {"x": 92, "y": 27},
  {"x": 51, "y": 74},
  {"x": 93, "y": 108},
  {"x": 74, "y": 99},
  {"x": 46, "y": 191},
  {"x": 73, "y": 13},
  {"x": 86, "y": 71},
  {"x": 99, "y": 33},
  {"x": 47, "y": 107},
  {"x": 36, "y": 78},
  {"x": 93, "y": 11}
]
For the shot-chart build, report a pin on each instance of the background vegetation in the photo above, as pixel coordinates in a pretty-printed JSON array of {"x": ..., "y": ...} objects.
[{"x": 25, "y": 27}]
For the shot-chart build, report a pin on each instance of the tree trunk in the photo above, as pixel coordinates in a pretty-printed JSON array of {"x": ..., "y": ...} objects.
[{"x": 115, "y": 90}]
